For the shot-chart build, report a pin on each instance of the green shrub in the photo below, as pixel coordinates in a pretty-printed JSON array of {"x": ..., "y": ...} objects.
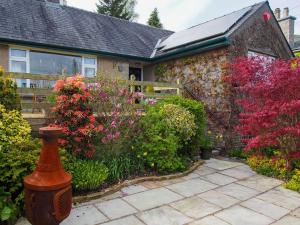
[
  {"x": 17, "y": 162},
  {"x": 122, "y": 166},
  {"x": 14, "y": 130},
  {"x": 87, "y": 175},
  {"x": 7, "y": 208},
  {"x": 239, "y": 153},
  {"x": 294, "y": 183},
  {"x": 8, "y": 92},
  {"x": 180, "y": 120},
  {"x": 157, "y": 143},
  {"x": 197, "y": 109}
]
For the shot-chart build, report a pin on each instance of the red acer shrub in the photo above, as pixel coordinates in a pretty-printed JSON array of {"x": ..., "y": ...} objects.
[
  {"x": 269, "y": 95},
  {"x": 74, "y": 115}
]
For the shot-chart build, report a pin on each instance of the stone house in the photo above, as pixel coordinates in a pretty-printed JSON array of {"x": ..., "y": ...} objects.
[{"x": 48, "y": 37}]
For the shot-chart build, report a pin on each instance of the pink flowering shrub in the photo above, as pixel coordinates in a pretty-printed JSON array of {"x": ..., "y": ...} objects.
[
  {"x": 117, "y": 110},
  {"x": 75, "y": 116},
  {"x": 269, "y": 94}
]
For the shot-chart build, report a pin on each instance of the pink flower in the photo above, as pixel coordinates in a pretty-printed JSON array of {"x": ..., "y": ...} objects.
[{"x": 59, "y": 85}]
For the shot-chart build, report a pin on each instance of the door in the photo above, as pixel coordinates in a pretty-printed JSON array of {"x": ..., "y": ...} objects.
[{"x": 137, "y": 72}]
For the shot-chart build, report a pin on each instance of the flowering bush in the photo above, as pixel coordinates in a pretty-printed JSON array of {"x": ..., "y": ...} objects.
[
  {"x": 274, "y": 167},
  {"x": 180, "y": 120},
  {"x": 116, "y": 110},
  {"x": 14, "y": 130},
  {"x": 75, "y": 117},
  {"x": 269, "y": 96}
]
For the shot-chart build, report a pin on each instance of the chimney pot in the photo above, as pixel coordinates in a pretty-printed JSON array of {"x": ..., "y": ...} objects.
[
  {"x": 286, "y": 12},
  {"x": 277, "y": 13}
]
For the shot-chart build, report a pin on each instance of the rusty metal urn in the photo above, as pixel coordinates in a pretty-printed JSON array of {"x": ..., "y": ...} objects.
[{"x": 48, "y": 191}]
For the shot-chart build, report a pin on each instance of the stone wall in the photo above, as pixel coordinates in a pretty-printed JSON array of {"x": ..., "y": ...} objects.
[{"x": 202, "y": 75}]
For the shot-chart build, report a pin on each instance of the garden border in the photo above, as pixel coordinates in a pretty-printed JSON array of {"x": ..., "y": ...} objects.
[{"x": 118, "y": 187}]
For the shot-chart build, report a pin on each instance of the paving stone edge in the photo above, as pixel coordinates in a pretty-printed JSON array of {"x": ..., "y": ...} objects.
[{"x": 118, "y": 187}]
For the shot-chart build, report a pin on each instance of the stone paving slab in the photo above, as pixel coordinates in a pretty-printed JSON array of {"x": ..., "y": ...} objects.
[
  {"x": 133, "y": 189},
  {"x": 218, "y": 193},
  {"x": 221, "y": 165},
  {"x": 260, "y": 183},
  {"x": 209, "y": 220},
  {"x": 195, "y": 207},
  {"x": 130, "y": 220},
  {"x": 115, "y": 208},
  {"x": 265, "y": 208},
  {"x": 152, "y": 198},
  {"x": 277, "y": 197},
  {"x": 191, "y": 187},
  {"x": 238, "y": 191},
  {"x": 239, "y": 172},
  {"x": 86, "y": 215},
  {"x": 238, "y": 215},
  {"x": 288, "y": 220},
  {"x": 204, "y": 170},
  {"x": 219, "y": 198},
  {"x": 219, "y": 179},
  {"x": 164, "y": 215}
]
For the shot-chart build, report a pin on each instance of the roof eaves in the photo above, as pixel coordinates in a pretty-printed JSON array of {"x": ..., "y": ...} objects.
[
  {"x": 71, "y": 49},
  {"x": 196, "y": 48}
]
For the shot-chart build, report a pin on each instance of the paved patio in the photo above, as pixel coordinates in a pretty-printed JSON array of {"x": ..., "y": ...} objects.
[{"x": 218, "y": 193}]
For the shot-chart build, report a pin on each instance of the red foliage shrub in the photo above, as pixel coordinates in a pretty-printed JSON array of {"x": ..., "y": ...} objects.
[
  {"x": 75, "y": 117},
  {"x": 269, "y": 94}
]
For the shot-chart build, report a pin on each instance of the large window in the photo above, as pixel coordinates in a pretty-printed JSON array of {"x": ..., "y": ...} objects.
[
  {"x": 37, "y": 62},
  {"x": 54, "y": 64}
]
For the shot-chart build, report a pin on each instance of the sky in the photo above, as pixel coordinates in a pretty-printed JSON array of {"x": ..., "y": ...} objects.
[{"x": 181, "y": 14}]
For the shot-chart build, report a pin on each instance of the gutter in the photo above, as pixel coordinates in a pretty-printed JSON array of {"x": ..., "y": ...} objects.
[
  {"x": 196, "y": 48},
  {"x": 71, "y": 49},
  {"x": 188, "y": 50}
]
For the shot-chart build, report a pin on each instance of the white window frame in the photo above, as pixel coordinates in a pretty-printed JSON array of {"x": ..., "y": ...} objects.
[
  {"x": 90, "y": 66},
  {"x": 20, "y": 59},
  {"x": 27, "y": 59}
]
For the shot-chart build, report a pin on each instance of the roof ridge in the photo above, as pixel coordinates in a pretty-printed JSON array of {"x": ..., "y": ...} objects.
[
  {"x": 262, "y": 2},
  {"x": 115, "y": 18}
]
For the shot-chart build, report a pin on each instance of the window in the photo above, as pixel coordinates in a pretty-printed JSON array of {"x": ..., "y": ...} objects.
[
  {"x": 89, "y": 67},
  {"x": 54, "y": 64},
  {"x": 37, "y": 62},
  {"x": 18, "y": 63}
]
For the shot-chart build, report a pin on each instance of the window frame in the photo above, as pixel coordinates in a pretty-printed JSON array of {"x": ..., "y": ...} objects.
[
  {"x": 27, "y": 59},
  {"x": 20, "y": 59},
  {"x": 89, "y": 66}
]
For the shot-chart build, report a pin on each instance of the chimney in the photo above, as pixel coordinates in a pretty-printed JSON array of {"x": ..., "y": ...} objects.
[
  {"x": 277, "y": 13},
  {"x": 287, "y": 24},
  {"x": 286, "y": 12}
]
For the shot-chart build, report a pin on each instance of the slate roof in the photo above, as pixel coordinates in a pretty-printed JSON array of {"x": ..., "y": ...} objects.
[
  {"x": 43, "y": 23},
  {"x": 47, "y": 23},
  {"x": 219, "y": 28}
]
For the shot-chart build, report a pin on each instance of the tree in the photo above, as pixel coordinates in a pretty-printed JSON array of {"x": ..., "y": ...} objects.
[
  {"x": 154, "y": 20},
  {"x": 269, "y": 94},
  {"x": 123, "y": 9}
]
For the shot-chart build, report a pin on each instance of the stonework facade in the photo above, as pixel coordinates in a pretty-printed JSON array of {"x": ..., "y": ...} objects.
[
  {"x": 202, "y": 74},
  {"x": 202, "y": 77}
]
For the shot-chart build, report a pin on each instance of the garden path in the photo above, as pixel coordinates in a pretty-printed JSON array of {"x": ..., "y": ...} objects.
[{"x": 218, "y": 193}]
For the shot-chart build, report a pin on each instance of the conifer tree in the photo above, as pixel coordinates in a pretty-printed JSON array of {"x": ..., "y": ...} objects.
[
  {"x": 154, "y": 20},
  {"x": 123, "y": 9}
]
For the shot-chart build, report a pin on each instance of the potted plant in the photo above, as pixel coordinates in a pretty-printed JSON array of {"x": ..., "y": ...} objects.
[{"x": 206, "y": 149}]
